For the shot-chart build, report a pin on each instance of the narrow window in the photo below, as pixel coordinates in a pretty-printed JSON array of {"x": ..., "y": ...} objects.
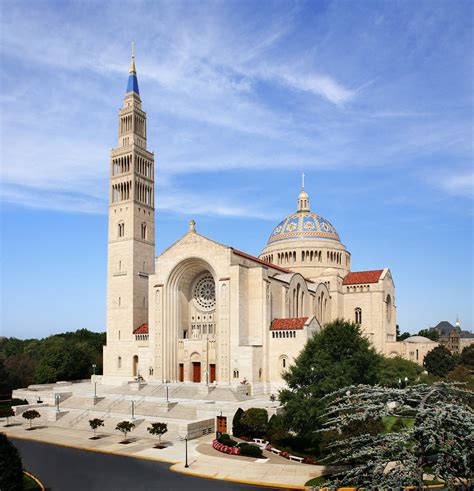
[
  {"x": 119, "y": 362},
  {"x": 119, "y": 301},
  {"x": 358, "y": 315}
]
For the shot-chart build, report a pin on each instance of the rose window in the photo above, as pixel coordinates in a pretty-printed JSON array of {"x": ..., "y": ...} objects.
[{"x": 205, "y": 293}]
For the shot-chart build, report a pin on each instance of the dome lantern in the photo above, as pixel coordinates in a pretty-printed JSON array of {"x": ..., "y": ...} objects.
[{"x": 303, "y": 198}]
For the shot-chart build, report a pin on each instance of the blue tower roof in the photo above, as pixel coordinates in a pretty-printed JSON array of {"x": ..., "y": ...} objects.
[{"x": 132, "y": 85}]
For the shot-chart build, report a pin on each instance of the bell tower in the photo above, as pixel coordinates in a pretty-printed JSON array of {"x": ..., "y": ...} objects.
[{"x": 131, "y": 235}]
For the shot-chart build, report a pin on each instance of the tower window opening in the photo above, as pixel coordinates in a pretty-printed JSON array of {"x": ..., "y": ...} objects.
[
  {"x": 119, "y": 362},
  {"x": 144, "y": 231},
  {"x": 358, "y": 315}
]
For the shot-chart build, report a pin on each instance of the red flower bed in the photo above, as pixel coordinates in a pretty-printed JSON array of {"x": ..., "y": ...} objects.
[{"x": 225, "y": 449}]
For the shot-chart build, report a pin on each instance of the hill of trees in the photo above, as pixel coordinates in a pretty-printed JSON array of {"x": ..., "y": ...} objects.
[{"x": 67, "y": 356}]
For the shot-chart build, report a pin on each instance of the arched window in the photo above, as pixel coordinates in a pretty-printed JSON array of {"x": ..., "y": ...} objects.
[
  {"x": 358, "y": 315},
  {"x": 283, "y": 362},
  {"x": 389, "y": 307},
  {"x": 143, "y": 231},
  {"x": 119, "y": 362},
  {"x": 121, "y": 229}
]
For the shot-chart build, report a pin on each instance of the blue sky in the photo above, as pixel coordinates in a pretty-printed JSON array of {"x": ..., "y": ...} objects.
[{"x": 371, "y": 99}]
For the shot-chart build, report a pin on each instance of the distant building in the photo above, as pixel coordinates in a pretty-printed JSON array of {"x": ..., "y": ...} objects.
[{"x": 452, "y": 337}]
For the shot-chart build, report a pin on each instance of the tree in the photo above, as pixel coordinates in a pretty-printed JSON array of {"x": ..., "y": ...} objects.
[
  {"x": 467, "y": 356},
  {"x": 439, "y": 361},
  {"x": 276, "y": 429},
  {"x": 237, "y": 429},
  {"x": 337, "y": 356},
  {"x": 441, "y": 438},
  {"x": 401, "y": 337},
  {"x": 158, "y": 429},
  {"x": 125, "y": 427},
  {"x": 94, "y": 424},
  {"x": 392, "y": 369},
  {"x": 11, "y": 468},
  {"x": 432, "y": 334},
  {"x": 255, "y": 421},
  {"x": 30, "y": 415},
  {"x": 6, "y": 412}
]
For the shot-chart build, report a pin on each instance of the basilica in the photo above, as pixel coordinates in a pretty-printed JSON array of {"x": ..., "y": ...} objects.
[{"x": 206, "y": 313}]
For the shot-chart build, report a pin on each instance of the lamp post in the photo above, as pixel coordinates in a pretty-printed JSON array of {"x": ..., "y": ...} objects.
[
  {"x": 167, "y": 393},
  {"x": 406, "y": 382},
  {"x": 399, "y": 383},
  {"x": 186, "y": 443},
  {"x": 95, "y": 391},
  {"x": 94, "y": 366},
  {"x": 133, "y": 409},
  {"x": 57, "y": 398}
]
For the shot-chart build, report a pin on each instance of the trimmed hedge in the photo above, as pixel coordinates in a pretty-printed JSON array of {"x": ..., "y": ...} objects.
[
  {"x": 225, "y": 439},
  {"x": 250, "y": 450}
]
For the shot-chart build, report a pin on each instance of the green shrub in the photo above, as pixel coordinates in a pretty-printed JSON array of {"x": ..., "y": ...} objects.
[
  {"x": 250, "y": 450},
  {"x": 254, "y": 422},
  {"x": 237, "y": 429},
  {"x": 225, "y": 439},
  {"x": 11, "y": 468}
]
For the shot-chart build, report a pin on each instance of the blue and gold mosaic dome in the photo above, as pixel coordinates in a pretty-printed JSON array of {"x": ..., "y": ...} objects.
[{"x": 303, "y": 225}]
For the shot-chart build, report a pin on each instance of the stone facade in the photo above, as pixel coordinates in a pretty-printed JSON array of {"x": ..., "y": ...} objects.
[{"x": 203, "y": 312}]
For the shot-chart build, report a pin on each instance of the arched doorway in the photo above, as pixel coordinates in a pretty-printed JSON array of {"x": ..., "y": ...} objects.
[
  {"x": 196, "y": 368},
  {"x": 135, "y": 366}
]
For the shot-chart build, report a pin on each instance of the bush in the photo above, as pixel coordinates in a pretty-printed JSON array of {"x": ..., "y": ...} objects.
[
  {"x": 248, "y": 450},
  {"x": 276, "y": 429},
  {"x": 11, "y": 468},
  {"x": 237, "y": 429},
  {"x": 254, "y": 422},
  {"x": 225, "y": 439}
]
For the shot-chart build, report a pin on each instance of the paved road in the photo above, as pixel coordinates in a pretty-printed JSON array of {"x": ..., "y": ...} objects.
[{"x": 70, "y": 469}]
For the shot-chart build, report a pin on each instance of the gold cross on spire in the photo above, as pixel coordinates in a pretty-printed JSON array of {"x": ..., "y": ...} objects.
[
  {"x": 132, "y": 64},
  {"x": 302, "y": 180}
]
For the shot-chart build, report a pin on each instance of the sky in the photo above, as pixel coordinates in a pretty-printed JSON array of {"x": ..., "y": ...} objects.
[{"x": 372, "y": 100}]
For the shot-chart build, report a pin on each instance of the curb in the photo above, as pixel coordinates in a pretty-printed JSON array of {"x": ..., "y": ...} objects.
[
  {"x": 37, "y": 481},
  {"x": 241, "y": 481}
]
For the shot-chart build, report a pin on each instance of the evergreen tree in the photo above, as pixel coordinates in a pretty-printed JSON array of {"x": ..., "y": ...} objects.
[
  {"x": 11, "y": 468},
  {"x": 439, "y": 361},
  {"x": 442, "y": 436},
  {"x": 237, "y": 429},
  {"x": 335, "y": 357}
]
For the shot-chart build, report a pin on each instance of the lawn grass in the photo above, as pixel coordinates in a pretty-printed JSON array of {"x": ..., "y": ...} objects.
[
  {"x": 30, "y": 484},
  {"x": 317, "y": 481},
  {"x": 389, "y": 421}
]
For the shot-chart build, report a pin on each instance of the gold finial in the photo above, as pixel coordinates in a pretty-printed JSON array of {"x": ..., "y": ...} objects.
[{"x": 132, "y": 64}]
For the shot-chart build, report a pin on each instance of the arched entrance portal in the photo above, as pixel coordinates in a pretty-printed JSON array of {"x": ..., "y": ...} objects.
[
  {"x": 135, "y": 366},
  {"x": 190, "y": 354}
]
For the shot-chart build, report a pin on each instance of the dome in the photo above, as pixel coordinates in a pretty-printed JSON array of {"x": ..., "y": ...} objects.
[
  {"x": 418, "y": 339},
  {"x": 303, "y": 225}
]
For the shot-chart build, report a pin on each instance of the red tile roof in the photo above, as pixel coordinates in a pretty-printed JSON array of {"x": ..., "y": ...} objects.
[
  {"x": 292, "y": 323},
  {"x": 261, "y": 261},
  {"x": 143, "y": 329},
  {"x": 357, "y": 277}
]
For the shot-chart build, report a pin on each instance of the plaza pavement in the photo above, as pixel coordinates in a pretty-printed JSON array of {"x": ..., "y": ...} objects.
[{"x": 203, "y": 460}]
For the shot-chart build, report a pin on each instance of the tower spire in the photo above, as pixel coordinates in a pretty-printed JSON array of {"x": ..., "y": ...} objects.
[
  {"x": 132, "y": 85},
  {"x": 303, "y": 198}
]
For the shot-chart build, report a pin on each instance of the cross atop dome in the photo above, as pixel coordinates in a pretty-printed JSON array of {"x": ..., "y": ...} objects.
[
  {"x": 132, "y": 85},
  {"x": 303, "y": 198}
]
